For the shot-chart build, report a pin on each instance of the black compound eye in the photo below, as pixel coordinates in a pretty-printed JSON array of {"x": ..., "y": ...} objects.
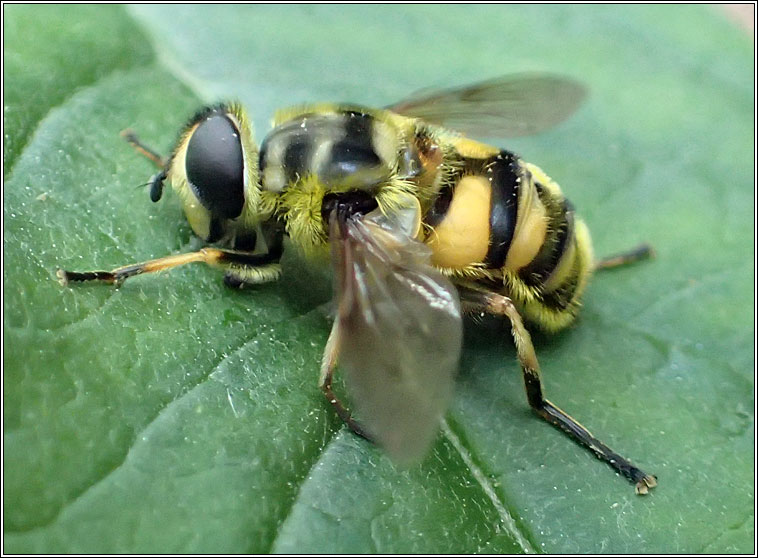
[{"x": 215, "y": 166}]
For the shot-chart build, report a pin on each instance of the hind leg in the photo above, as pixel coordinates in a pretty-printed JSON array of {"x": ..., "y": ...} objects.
[
  {"x": 499, "y": 305},
  {"x": 641, "y": 252}
]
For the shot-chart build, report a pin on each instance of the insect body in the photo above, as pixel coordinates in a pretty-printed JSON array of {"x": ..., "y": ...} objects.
[{"x": 423, "y": 224}]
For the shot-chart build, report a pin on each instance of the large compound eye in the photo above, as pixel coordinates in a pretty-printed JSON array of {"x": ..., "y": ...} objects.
[{"x": 215, "y": 166}]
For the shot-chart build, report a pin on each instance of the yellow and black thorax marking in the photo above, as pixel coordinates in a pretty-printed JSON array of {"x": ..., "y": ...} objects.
[
  {"x": 322, "y": 150},
  {"x": 345, "y": 147}
]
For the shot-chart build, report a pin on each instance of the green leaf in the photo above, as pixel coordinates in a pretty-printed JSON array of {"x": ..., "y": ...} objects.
[
  {"x": 175, "y": 415},
  {"x": 51, "y": 53}
]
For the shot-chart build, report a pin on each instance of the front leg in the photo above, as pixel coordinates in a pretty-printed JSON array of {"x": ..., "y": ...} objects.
[{"x": 242, "y": 267}]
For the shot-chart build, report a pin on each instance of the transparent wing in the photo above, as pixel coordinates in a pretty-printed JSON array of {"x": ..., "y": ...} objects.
[
  {"x": 399, "y": 334},
  {"x": 508, "y": 106}
]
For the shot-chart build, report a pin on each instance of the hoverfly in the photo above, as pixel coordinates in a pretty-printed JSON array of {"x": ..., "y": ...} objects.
[{"x": 424, "y": 224}]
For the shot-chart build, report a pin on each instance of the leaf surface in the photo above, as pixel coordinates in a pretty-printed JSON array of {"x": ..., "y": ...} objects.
[{"x": 175, "y": 415}]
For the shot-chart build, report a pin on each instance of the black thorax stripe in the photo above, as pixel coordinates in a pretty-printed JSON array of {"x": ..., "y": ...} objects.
[
  {"x": 355, "y": 150},
  {"x": 337, "y": 146}
]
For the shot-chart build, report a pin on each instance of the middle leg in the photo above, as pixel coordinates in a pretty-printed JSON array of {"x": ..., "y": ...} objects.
[{"x": 328, "y": 363}]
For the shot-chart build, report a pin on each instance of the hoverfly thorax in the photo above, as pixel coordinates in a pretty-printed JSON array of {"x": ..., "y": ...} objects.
[
  {"x": 326, "y": 158},
  {"x": 214, "y": 169},
  {"x": 346, "y": 149}
]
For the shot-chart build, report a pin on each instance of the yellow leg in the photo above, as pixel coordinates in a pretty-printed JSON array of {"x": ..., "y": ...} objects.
[
  {"x": 500, "y": 305},
  {"x": 242, "y": 267}
]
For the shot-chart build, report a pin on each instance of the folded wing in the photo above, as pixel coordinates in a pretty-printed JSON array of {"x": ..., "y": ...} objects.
[{"x": 399, "y": 333}]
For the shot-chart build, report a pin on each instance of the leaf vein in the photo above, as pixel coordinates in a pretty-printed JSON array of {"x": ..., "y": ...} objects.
[{"x": 506, "y": 519}]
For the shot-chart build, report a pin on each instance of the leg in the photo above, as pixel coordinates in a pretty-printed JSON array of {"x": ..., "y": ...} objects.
[
  {"x": 641, "y": 252},
  {"x": 328, "y": 363},
  {"x": 243, "y": 266},
  {"x": 143, "y": 149},
  {"x": 503, "y": 306},
  {"x": 156, "y": 181}
]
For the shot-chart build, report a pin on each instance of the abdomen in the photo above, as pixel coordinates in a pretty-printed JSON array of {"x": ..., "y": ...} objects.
[{"x": 505, "y": 224}]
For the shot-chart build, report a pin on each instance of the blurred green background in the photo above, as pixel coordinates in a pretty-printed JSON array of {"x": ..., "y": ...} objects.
[{"x": 175, "y": 415}]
